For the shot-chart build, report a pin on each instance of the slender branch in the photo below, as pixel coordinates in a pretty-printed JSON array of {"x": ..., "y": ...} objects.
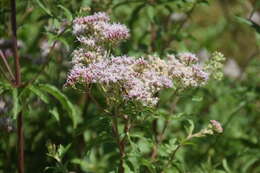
[
  {"x": 7, "y": 65},
  {"x": 159, "y": 136},
  {"x": 175, "y": 151},
  {"x": 4, "y": 74},
  {"x": 20, "y": 143}
]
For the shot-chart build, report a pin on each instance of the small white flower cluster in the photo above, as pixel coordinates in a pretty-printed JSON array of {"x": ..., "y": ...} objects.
[
  {"x": 136, "y": 79},
  {"x": 183, "y": 69}
]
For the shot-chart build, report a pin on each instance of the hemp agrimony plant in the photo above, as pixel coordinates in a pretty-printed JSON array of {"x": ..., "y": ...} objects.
[{"x": 131, "y": 88}]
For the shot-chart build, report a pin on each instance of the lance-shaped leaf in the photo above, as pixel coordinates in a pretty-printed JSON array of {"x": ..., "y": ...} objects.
[{"x": 66, "y": 104}]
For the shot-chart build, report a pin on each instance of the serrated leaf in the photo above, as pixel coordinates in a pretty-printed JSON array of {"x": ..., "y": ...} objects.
[
  {"x": 66, "y": 104},
  {"x": 39, "y": 93}
]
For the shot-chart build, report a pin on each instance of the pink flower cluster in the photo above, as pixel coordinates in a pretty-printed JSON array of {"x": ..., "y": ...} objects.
[
  {"x": 96, "y": 29},
  {"x": 136, "y": 79},
  {"x": 130, "y": 74},
  {"x": 216, "y": 126},
  {"x": 97, "y": 17},
  {"x": 186, "y": 70}
]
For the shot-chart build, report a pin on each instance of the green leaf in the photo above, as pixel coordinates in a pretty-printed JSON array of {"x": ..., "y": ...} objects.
[
  {"x": 243, "y": 20},
  {"x": 1, "y": 90},
  {"x": 249, "y": 22},
  {"x": 250, "y": 162},
  {"x": 5, "y": 86},
  {"x": 46, "y": 10},
  {"x": 191, "y": 127},
  {"x": 225, "y": 165},
  {"x": 67, "y": 105},
  {"x": 55, "y": 113},
  {"x": 197, "y": 98},
  {"x": 16, "y": 106},
  {"x": 148, "y": 164},
  {"x": 150, "y": 12},
  {"x": 206, "y": 2},
  {"x": 67, "y": 12},
  {"x": 39, "y": 93},
  {"x": 127, "y": 169},
  {"x": 63, "y": 150}
]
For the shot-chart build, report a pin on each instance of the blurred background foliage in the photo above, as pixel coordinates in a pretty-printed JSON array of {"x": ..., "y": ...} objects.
[{"x": 62, "y": 116}]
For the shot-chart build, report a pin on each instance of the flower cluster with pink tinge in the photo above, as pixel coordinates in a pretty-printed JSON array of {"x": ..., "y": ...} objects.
[
  {"x": 97, "y": 29},
  {"x": 216, "y": 126},
  {"x": 136, "y": 79}
]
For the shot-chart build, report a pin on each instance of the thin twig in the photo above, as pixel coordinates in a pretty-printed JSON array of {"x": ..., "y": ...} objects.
[
  {"x": 7, "y": 65},
  {"x": 160, "y": 136},
  {"x": 20, "y": 143},
  {"x": 4, "y": 74}
]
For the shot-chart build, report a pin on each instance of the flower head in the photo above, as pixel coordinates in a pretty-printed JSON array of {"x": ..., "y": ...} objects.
[
  {"x": 216, "y": 126},
  {"x": 188, "y": 58},
  {"x": 96, "y": 17},
  {"x": 135, "y": 79}
]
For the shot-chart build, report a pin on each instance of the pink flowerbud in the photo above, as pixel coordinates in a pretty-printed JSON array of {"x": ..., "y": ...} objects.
[{"x": 216, "y": 126}]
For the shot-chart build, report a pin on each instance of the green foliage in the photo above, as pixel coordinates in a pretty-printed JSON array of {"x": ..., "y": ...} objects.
[{"x": 68, "y": 131}]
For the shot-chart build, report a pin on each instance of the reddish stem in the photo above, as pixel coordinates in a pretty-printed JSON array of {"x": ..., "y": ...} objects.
[
  {"x": 20, "y": 132},
  {"x": 20, "y": 143},
  {"x": 14, "y": 40}
]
